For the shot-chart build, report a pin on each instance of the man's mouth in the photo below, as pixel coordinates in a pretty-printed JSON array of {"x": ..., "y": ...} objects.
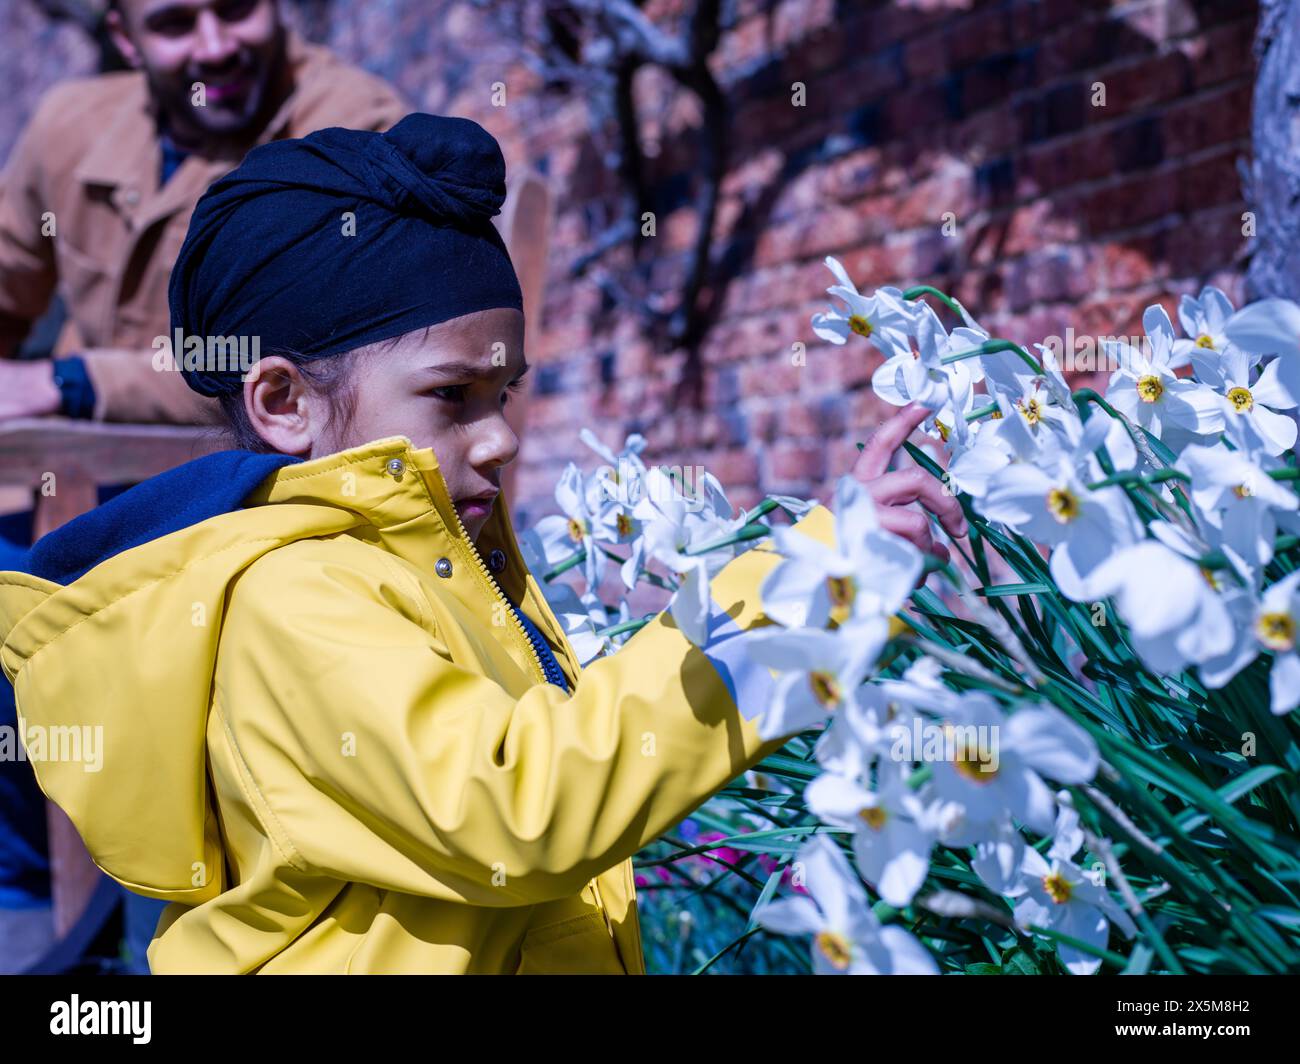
[{"x": 228, "y": 87}]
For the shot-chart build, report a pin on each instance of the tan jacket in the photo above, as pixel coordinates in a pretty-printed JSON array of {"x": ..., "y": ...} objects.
[{"x": 87, "y": 167}]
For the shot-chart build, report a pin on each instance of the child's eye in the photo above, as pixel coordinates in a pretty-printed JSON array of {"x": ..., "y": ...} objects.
[
  {"x": 452, "y": 393},
  {"x": 456, "y": 393},
  {"x": 515, "y": 386}
]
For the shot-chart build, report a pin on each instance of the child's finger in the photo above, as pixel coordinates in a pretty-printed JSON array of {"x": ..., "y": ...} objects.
[
  {"x": 916, "y": 485},
  {"x": 881, "y": 444}
]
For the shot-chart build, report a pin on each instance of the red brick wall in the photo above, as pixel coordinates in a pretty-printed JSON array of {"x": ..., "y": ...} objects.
[{"x": 1067, "y": 214}]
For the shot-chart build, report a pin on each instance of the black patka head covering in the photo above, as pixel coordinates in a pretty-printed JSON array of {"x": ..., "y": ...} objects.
[{"x": 273, "y": 253}]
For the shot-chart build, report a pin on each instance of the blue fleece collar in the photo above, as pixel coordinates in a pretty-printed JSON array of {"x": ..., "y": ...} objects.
[{"x": 205, "y": 487}]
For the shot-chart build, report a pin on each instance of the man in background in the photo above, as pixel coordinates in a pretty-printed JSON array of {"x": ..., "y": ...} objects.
[
  {"x": 94, "y": 204},
  {"x": 98, "y": 191}
]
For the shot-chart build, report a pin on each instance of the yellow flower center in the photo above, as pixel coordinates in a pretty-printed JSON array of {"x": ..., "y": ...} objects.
[
  {"x": 943, "y": 430},
  {"x": 996, "y": 415},
  {"x": 825, "y": 688},
  {"x": 1212, "y": 578},
  {"x": 1031, "y": 408},
  {"x": 1205, "y": 340},
  {"x": 835, "y": 948},
  {"x": 624, "y": 524},
  {"x": 1276, "y": 631},
  {"x": 1058, "y": 887},
  {"x": 1149, "y": 388},
  {"x": 1243, "y": 491},
  {"x": 873, "y": 816},
  {"x": 972, "y": 761},
  {"x": 577, "y": 530},
  {"x": 842, "y": 592},
  {"x": 860, "y": 325},
  {"x": 1063, "y": 505},
  {"x": 1241, "y": 399}
]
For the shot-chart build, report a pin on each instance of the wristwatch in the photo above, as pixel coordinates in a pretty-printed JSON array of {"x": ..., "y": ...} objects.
[{"x": 75, "y": 388}]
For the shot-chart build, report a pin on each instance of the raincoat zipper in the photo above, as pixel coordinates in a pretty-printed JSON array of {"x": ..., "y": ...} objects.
[{"x": 496, "y": 589}]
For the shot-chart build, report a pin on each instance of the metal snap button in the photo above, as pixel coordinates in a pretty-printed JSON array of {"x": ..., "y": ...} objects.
[
  {"x": 497, "y": 560},
  {"x": 442, "y": 567},
  {"x": 396, "y": 467}
]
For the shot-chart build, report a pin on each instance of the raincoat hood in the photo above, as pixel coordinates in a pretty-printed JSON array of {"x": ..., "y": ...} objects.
[{"x": 123, "y": 612}]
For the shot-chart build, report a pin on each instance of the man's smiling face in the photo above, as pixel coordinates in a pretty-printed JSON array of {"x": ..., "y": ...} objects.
[{"x": 233, "y": 48}]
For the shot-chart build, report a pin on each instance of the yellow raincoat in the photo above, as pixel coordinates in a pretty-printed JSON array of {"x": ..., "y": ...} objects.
[{"x": 327, "y": 739}]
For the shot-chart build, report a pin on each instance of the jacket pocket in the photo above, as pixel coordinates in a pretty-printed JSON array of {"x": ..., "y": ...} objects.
[{"x": 580, "y": 945}]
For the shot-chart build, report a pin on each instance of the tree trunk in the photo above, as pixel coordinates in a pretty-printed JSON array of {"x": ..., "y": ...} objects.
[{"x": 1273, "y": 177}]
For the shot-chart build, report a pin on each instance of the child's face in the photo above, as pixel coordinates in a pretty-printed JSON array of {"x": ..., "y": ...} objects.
[{"x": 445, "y": 388}]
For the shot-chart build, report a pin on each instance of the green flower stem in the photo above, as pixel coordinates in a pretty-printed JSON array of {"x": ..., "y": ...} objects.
[
  {"x": 757, "y": 530},
  {"x": 981, "y": 411},
  {"x": 633, "y": 625},
  {"x": 1217, "y": 559},
  {"x": 925, "y": 290},
  {"x": 1130, "y": 477},
  {"x": 993, "y": 347},
  {"x": 573, "y": 560}
]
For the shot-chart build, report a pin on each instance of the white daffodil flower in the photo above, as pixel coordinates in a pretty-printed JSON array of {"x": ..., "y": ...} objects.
[
  {"x": 1174, "y": 614},
  {"x": 999, "y": 855},
  {"x": 1276, "y": 624},
  {"x": 861, "y": 734},
  {"x": 577, "y": 527},
  {"x": 630, "y": 455},
  {"x": 1253, "y": 407},
  {"x": 1202, "y": 320},
  {"x": 848, "y": 938},
  {"x": 675, "y": 531},
  {"x": 1270, "y": 327},
  {"x": 892, "y": 830},
  {"x": 820, "y": 671},
  {"x": 612, "y": 491},
  {"x": 920, "y": 376},
  {"x": 1145, "y": 390},
  {"x": 1239, "y": 499},
  {"x": 995, "y": 444},
  {"x": 884, "y": 318},
  {"x": 1040, "y": 396},
  {"x": 583, "y": 616},
  {"x": 1056, "y": 894},
  {"x": 868, "y": 572},
  {"x": 998, "y": 760},
  {"x": 1051, "y": 504}
]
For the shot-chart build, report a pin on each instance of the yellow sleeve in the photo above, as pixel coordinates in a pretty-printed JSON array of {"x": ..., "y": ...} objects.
[{"x": 371, "y": 756}]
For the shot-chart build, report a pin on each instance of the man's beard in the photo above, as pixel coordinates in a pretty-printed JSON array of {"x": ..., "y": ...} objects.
[{"x": 214, "y": 120}]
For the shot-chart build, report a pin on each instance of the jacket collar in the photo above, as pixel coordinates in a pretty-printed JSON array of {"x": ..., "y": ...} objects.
[{"x": 399, "y": 491}]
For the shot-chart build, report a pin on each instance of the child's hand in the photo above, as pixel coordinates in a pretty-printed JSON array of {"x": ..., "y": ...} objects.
[{"x": 893, "y": 491}]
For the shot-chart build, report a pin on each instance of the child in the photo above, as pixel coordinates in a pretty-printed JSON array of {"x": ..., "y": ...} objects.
[{"x": 334, "y": 720}]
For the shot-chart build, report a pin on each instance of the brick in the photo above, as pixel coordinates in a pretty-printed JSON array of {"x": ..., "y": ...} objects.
[
  {"x": 1145, "y": 81},
  {"x": 787, "y": 463},
  {"x": 1208, "y": 120},
  {"x": 1222, "y": 53}
]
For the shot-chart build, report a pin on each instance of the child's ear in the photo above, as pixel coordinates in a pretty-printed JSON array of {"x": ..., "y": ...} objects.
[{"x": 281, "y": 407}]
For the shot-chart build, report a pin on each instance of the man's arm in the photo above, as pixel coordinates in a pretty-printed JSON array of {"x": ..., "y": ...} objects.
[{"x": 27, "y": 270}]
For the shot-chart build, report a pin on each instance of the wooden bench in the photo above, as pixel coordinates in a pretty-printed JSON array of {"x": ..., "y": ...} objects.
[{"x": 76, "y": 458}]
